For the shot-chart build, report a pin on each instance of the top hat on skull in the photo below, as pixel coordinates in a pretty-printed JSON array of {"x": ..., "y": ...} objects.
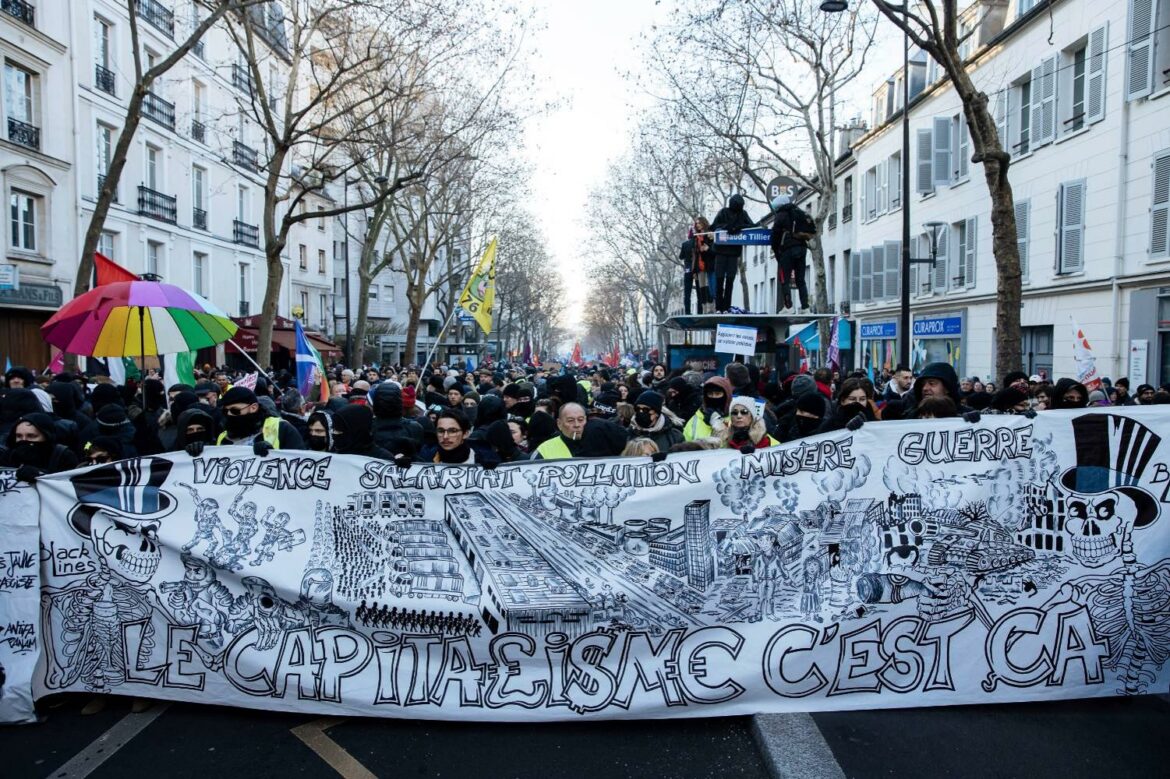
[
  {"x": 119, "y": 507},
  {"x": 1102, "y": 499}
]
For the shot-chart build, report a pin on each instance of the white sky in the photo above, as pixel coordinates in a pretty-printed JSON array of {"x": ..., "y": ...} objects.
[{"x": 580, "y": 57}]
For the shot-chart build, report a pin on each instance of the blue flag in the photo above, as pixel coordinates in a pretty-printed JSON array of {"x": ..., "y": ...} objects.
[{"x": 310, "y": 368}]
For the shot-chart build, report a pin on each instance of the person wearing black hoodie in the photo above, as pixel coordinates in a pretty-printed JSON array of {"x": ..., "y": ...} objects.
[
  {"x": 353, "y": 433},
  {"x": 194, "y": 424},
  {"x": 320, "y": 436},
  {"x": 32, "y": 448},
  {"x": 19, "y": 377},
  {"x": 734, "y": 219},
  {"x": 937, "y": 379},
  {"x": 1069, "y": 393},
  {"x": 682, "y": 398},
  {"x": 392, "y": 431},
  {"x": 15, "y": 404}
]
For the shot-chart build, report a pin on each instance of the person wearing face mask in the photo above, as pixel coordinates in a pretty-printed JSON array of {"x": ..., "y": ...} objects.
[
  {"x": 808, "y": 414},
  {"x": 1069, "y": 393},
  {"x": 743, "y": 428},
  {"x": 320, "y": 436},
  {"x": 101, "y": 450},
  {"x": 567, "y": 443},
  {"x": 194, "y": 424},
  {"x": 854, "y": 407},
  {"x": 245, "y": 423},
  {"x": 32, "y": 448},
  {"x": 716, "y": 398},
  {"x": 654, "y": 421},
  {"x": 353, "y": 433}
]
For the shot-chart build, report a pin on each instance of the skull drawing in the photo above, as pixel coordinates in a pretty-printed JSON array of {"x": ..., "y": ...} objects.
[
  {"x": 1094, "y": 525},
  {"x": 129, "y": 548}
]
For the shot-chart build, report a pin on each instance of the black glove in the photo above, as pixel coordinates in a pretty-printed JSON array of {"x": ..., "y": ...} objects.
[
  {"x": 195, "y": 448},
  {"x": 747, "y": 449},
  {"x": 972, "y": 416},
  {"x": 28, "y": 473},
  {"x": 1030, "y": 413},
  {"x": 403, "y": 461},
  {"x": 855, "y": 423},
  {"x": 658, "y": 457},
  {"x": 261, "y": 448}
]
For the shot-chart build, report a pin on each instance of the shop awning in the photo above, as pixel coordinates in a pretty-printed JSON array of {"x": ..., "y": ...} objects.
[
  {"x": 283, "y": 337},
  {"x": 810, "y": 336}
]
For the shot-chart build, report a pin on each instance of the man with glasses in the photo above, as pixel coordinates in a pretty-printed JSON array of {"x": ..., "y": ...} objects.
[
  {"x": 245, "y": 423},
  {"x": 653, "y": 421},
  {"x": 454, "y": 447},
  {"x": 571, "y": 426}
]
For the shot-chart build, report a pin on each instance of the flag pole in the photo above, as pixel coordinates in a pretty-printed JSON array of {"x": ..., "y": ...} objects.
[
  {"x": 240, "y": 349},
  {"x": 438, "y": 338}
]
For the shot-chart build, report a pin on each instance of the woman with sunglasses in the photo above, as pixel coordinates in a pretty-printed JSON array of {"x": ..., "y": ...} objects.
[{"x": 744, "y": 426}]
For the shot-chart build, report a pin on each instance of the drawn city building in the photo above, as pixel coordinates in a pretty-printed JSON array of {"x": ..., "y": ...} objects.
[
  {"x": 669, "y": 552},
  {"x": 902, "y": 509},
  {"x": 700, "y": 556},
  {"x": 520, "y": 588},
  {"x": 606, "y": 531},
  {"x": 1043, "y": 520}
]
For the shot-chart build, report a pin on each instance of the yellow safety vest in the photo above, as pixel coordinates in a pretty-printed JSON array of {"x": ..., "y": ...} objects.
[
  {"x": 554, "y": 449},
  {"x": 696, "y": 427},
  {"x": 270, "y": 431}
]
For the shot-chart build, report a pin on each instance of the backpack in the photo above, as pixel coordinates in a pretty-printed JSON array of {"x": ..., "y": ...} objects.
[{"x": 803, "y": 227}]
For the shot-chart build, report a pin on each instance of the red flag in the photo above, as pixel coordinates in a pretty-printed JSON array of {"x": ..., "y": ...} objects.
[
  {"x": 107, "y": 271},
  {"x": 575, "y": 360},
  {"x": 58, "y": 363}
]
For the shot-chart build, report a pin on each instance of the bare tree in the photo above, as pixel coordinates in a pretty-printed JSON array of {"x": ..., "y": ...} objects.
[
  {"x": 760, "y": 81},
  {"x": 144, "y": 80},
  {"x": 934, "y": 28}
]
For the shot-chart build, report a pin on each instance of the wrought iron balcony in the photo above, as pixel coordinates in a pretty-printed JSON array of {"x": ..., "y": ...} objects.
[
  {"x": 847, "y": 213},
  {"x": 157, "y": 16},
  {"x": 156, "y": 205},
  {"x": 242, "y": 79},
  {"x": 245, "y": 234},
  {"x": 158, "y": 110},
  {"x": 103, "y": 79},
  {"x": 199, "y": 219},
  {"x": 18, "y": 9},
  {"x": 198, "y": 131},
  {"x": 24, "y": 134},
  {"x": 245, "y": 157}
]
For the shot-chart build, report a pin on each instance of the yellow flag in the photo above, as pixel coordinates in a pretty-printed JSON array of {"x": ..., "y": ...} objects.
[{"x": 480, "y": 293}]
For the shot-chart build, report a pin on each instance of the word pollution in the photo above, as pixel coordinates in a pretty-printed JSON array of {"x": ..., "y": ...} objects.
[{"x": 920, "y": 564}]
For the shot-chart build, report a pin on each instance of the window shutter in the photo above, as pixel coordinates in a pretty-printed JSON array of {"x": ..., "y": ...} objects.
[
  {"x": 939, "y": 283},
  {"x": 893, "y": 269},
  {"x": 855, "y": 278},
  {"x": 1095, "y": 76},
  {"x": 925, "y": 161},
  {"x": 962, "y": 165},
  {"x": 971, "y": 257},
  {"x": 1140, "y": 73},
  {"x": 866, "y": 275},
  {"x": 1011, "y": 123},
  {"x": 1002, "y": 99},
  {"x": 879, "y": 272},
  {"x": 882, "y": 190},
  {"x": 1048, "y": 100},
  {"x": 1035, "y": 131},
  {"x": 1160, "y": 212},
  {"x": 862, "y": 194},
  {"x": 894, "y": 182},
  {"x": 1023, "y": 216},
  {"x": 942, "y": 150},
  {"x": 1072, "y": 227}
]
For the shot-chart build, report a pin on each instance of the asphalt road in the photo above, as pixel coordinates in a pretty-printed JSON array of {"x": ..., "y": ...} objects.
[{"x": 1070, "y": 739}]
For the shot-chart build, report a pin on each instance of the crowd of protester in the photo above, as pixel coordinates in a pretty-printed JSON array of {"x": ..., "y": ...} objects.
[{"x": 500, "y": 414}]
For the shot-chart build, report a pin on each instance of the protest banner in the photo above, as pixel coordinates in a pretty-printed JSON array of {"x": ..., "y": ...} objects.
[
  {"x": 20, "y": 597},
  {"x": 902, "y": 564}
]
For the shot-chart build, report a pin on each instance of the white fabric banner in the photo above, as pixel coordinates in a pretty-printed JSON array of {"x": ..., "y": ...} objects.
[
  {"x": 20, "y": 597},
  {"x": 904, "y": 564}
]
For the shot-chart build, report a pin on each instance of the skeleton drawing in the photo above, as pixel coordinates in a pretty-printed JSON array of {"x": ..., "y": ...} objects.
[{"x": 120, "y": 511}]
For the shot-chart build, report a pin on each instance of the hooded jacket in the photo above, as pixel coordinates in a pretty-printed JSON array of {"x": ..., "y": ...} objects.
[
  {"x": 196, "y": 414},
  {"x": 734, "y": 219},
  {"x": 1063, "y": 386},
  {"x": 944, "y": 373},
  {"x": 326, "y": 421},
  {"x": 353, "y": 433},
  {"x": 392, "y": 431},
  {"x": 698, "y": 425},
  {"x": 46, "y": 457},
  {"x": 799, "y": 386}
]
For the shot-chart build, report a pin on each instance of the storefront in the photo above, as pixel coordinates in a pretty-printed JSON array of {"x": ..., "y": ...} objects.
[
  {"x": 939, "y": 338},
  {"x": 23, "y": 310},
  {"x": 879, "y": 346},
  {"x": 1149, "y": 337}
]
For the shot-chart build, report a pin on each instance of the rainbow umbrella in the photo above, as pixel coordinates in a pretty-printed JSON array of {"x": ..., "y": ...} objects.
[{"x": 137, "y": 318}]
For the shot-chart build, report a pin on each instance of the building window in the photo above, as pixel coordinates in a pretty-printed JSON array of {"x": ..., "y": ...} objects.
[
  {"x": 245, "y": 304},
  {"x": 1160, "y": 208},
  {"x": 23, "y": 221},
  {"x": 1020, "y": 117},
  {"x": 101, "y": 41},
  {"x": 847, "y": 196},
  {"x": 894, "y": 180},
  {"x": 1148, "y": 55},
  {"x": 105, "y": 245},
  {"x": 1043, "y": 123},
  {"x": 320, "y": 260},
  {"x": 153, "y": 167},
  {"x": 154, "y": 257},
  {"x": 321, "y": 220},
  {"x": 966, "y": 244},
  {"x": 389, "y": 294},
  {"x": 199, "y": 273},
  {"x": 960, "y": 149},
  {"x": 105, "y": 145},
  {"x": 304, "y": 257},
  {"x": 1070, "y": 222},
  {"x": 322, "y": 309},
  {"x": 373, "y": 293},
  {"x": 243, "y": 206},
  {"x": 304, "y": 306}
]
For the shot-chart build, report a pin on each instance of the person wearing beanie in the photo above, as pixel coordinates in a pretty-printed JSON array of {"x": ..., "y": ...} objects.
[
  {"x": 353, "y": 433},
  {"x": 717, "y": 392},
  {"x": 245, "y": 423},
  {"x": 682, "y": 398},
  {"x": 102, "y": 450},
  {"x": 605, "y": 404},
  {"x": 654, "y": 421},
  {"x": 19, "y": 377},
  {"x": 808, "y": 415},
  {"x": 392, "y": 431},
  {"x": 743, "y": 427},
  {"x": 1144, "y": 395},
  {"x": 32, "y": 448},
  {"x": 938, "y": 379},
  {"x": 1011, "y": 399}
]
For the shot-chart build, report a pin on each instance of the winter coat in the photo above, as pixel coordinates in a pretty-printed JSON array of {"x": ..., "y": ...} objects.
[{"x": 734, "y": 219}]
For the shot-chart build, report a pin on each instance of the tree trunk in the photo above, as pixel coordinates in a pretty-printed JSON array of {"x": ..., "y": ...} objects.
[
  {"x": 821, "y": 297},
  {"x": 273, "y": 246},
  {"x": 413, "y": 324},
  {"x": 364, "y": 279},
  {"x": 743, "y": 282}
]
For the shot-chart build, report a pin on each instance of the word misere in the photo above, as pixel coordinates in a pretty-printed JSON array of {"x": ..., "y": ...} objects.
[
  {"x": 813, "y": 457},
  {"x": 969, "y": 444},
  {"x": 278, "y": 473}
]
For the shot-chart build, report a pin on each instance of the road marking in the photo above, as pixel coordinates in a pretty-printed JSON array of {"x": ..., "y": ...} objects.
[
  {"x": 792, "y": 746},
  {"x": 313, "y": 735},
  {"x": 104, "y": 746}
]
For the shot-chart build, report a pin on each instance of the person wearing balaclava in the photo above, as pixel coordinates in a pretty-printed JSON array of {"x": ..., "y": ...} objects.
[
  {"x": 69, "y": 419},
  {"x": 654, "y": 421},
  {"x": 19, "y": 377},
  {"x": 194, "y": 424},
  {"x": 808, "y": 415},
  {"x": 13, "y": 405},
  {"x": 353, "y": 433},
  {"x": 854, "y": 407},
  {"x": 32, "y": 448},
  {"x": 743, "y": 428},
  {"x": 392, "y": 431},
  {"x": 734, "y": 219},
  {"x": 320, "y": 437},
  {"x": 245, "y": 423},
  {"x": 180, "y": 402},
  {"x": 498, "y": 435},
  {"x": 1069, "y": 393},
  {"x": 682, "y": 397},
  {"x": 717, "y": 394}
]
